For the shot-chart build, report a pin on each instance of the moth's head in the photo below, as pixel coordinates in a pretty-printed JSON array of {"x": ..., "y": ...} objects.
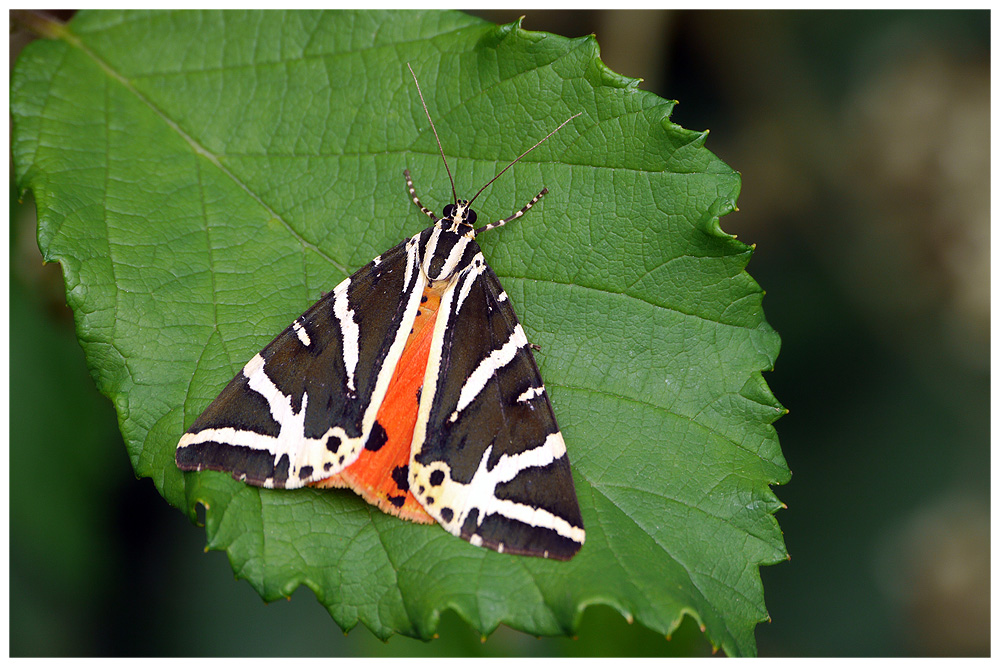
[{"x": 458, "y": 218}]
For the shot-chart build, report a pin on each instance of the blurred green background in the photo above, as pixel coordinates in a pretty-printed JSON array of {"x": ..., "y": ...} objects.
[{"x": 863, "y": 140}]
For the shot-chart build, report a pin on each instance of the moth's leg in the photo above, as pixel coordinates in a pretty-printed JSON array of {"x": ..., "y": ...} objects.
[{"x": 416, "y": 200}]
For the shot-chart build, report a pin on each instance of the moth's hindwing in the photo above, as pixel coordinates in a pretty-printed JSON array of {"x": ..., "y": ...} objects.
[
  {"x": 303, "y": 408},
  {"x": 488, "y": 461},
  {"x": 380, "y": 474}
]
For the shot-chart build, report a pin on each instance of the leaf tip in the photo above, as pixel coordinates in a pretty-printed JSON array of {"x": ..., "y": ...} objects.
[{"x": 504, "y": 30}]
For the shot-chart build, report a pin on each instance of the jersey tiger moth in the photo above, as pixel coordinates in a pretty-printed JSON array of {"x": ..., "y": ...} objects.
[{"x": 413, "y": 384}]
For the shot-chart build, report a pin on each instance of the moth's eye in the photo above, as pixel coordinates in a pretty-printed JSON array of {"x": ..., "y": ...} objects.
[
  {"x": 470, "y": 217},
  {"x": 449, "y": 210}
]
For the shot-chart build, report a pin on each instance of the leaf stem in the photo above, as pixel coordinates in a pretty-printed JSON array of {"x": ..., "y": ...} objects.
[{"x": 40, "y": 23}]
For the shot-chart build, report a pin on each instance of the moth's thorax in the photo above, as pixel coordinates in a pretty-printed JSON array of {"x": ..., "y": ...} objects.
[{"x": 450, "y": 244}]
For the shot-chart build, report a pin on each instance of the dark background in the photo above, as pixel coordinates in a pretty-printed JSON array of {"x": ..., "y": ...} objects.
[{"x": 863, "y": 140}]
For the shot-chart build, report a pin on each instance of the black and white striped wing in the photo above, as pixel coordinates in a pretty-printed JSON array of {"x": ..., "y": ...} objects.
[
  {"x": 304, "y": 407},
  {"x": 488, "y": 461}
]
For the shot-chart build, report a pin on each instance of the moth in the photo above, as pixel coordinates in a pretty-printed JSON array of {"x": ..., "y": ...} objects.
[{"x": 413, "y": 384}]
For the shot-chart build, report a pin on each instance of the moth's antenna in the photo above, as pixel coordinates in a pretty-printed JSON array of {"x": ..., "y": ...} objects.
[
  {"x": 521, "y": 156},
  {"x": 440, "y": 147}
]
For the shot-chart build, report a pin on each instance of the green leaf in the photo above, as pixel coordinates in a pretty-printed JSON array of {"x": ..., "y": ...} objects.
[{"x": 203, "y": 177}]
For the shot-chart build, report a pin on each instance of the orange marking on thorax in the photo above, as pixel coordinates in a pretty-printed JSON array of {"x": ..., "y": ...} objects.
[{"x": 372, "y": 475}]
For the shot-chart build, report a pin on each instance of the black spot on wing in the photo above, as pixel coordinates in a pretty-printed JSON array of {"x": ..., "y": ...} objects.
[
  {"x": 377, "y": 438},
  {"x": 400, "y": 475}
]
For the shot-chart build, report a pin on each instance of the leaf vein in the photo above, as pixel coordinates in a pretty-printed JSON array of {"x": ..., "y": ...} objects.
[{"x": 198, "y": 149}]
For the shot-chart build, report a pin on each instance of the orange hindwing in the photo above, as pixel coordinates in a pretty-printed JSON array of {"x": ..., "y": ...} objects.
[{"x": 379, "y": 475}]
